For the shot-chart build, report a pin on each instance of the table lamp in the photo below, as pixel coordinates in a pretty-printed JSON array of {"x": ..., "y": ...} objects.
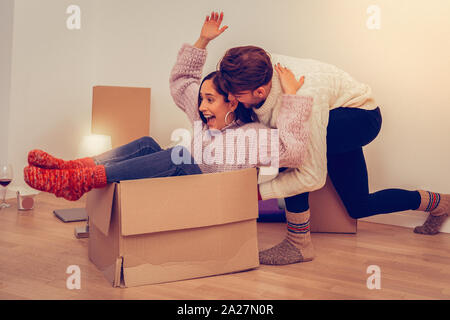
[{"x": 90, "y": 145}]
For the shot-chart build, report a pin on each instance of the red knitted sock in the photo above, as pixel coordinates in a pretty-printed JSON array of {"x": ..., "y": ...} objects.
[
  {"x": 44, "y": 160},
  {"x": 69, "y": 184}
]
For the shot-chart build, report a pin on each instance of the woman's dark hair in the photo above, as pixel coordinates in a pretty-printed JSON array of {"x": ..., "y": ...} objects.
[
  {"x": 242, "y": 113},
  {"x": 245, "y": 68}
]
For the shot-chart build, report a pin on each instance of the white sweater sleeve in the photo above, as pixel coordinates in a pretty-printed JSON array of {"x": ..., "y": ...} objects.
[{"x": 312, "y": 174}]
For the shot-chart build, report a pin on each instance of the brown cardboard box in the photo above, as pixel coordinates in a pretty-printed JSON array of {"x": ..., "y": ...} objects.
[
  {"x": 166, "y": 229},
  {"x": 328, "y": 213},
  {"x": 121, "y": 112}
]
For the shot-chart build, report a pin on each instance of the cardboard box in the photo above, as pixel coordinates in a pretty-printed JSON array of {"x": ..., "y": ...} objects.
[
  {"x": 121, "y": 112},
  {"x": 166, "y": 229},
  {"x": 328, "y": 213}
]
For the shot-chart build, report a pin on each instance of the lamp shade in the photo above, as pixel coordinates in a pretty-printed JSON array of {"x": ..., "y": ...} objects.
[{"x": 94, "y": 144}]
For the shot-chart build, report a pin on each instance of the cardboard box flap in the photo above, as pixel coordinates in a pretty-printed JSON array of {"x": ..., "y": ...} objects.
[
  {"x": 99, "y": 206},
  {"x": 145, "y": 203}
]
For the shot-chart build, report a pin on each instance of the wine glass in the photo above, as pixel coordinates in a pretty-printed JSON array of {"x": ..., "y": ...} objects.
[{"x": 6, "y": 175}]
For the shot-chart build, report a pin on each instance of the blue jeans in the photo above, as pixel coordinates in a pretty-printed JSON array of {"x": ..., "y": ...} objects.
[
  {"x": 349, "y": 129},
  {"x": 143, "y": 158}
]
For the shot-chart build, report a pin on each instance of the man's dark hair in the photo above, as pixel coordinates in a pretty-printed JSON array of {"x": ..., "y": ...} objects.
[{"x": 245, "y": 68}]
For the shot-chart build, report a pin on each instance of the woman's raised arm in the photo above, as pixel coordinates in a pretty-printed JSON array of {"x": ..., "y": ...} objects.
[{"x": 211, "y": 29}]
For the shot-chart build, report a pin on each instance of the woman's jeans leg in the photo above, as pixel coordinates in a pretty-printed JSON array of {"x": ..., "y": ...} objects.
[
  {"x": 349, "y": 130},
  {"x": 136, "y": 148},
  {"x": 153, "y": 165}
]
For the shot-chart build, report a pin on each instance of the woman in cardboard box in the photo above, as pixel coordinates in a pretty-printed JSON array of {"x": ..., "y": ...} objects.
[{"x": 217, "y": 146}]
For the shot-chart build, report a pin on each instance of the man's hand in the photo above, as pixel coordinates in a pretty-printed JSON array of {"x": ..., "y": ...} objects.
[
  {"x": 211, "y": 29},
  {"x": 289, "y": 84}
]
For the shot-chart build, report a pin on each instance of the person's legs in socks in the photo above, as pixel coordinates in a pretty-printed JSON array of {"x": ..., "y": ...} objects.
[
  {"x": 438, "y": 205},
  {"x": 297, "y": 246},
  {"x": 348, "y": 131},
  {"x": 136, "y": 148},
  {"x": 348, "y": 173},
  {"x": 71, "y": 184}
]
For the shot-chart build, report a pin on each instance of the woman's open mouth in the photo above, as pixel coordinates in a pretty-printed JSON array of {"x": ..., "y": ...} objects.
[{"x": 210, "y": 120}]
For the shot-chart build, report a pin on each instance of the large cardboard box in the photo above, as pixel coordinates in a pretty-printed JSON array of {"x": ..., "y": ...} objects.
[
  {"x": 166, "y": 229},
  {"x": 121, "y": 112},
  {"x": 328, "y": 213}
]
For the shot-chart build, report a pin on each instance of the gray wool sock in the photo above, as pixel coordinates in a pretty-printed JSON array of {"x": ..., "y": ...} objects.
[
  {"x": 439, "y": 207},
  {"x": 296, "y": 247},
  {"x": 281, "y": 254},
  {"x": 432, "y": 225}
]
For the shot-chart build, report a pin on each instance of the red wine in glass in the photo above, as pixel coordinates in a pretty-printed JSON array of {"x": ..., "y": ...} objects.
[
  {"x": 5, "y": 182},
  {"x": 6, "y": 176}
]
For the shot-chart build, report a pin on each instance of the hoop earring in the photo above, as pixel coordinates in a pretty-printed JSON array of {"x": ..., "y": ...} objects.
[{"x": 226, "y": 116}]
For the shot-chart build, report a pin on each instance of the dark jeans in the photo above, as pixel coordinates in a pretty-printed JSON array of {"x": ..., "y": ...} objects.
[
  {"x": 143, "y": 158},
  {"x": 349, "y": 129}
]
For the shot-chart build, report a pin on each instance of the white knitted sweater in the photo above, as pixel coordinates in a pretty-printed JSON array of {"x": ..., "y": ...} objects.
[{"x": 330, "y": 88}]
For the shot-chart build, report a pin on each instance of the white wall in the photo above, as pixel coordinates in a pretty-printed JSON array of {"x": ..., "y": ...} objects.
[
  {"x": 134, "y": 43},
  {"x": 6, "y": 36},
  {"x": 52, "y": 76}
]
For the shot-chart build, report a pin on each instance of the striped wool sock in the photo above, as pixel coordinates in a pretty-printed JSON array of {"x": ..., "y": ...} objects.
[
  {"x": 438, "y": 205},
  {"x": 296, "y": 247},
  {"x": 42, "y": 159},
  {"x": 69, "y": 184}
]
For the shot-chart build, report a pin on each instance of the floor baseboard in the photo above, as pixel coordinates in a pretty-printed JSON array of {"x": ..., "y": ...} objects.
[{"x": 408, "y": 219}]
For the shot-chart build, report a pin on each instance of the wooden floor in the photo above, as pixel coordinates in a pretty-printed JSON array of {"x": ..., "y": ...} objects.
[{"x": 36, "y": 249}]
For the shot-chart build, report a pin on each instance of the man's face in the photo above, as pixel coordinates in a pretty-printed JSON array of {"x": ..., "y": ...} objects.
[{"x": 248, "y": 98}]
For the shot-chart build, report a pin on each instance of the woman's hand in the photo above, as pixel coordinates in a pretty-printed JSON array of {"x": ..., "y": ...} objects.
[
  {"x": 289, "y": 84},
  {"x": 211, "y": 29}
]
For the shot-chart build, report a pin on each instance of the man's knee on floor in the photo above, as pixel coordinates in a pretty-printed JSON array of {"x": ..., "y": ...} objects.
[{"x": 357, "y": 210}]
